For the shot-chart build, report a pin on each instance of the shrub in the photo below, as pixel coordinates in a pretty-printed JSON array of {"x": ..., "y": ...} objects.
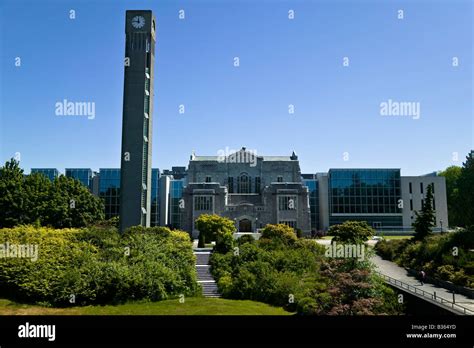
[
  {"x": 98, "y": 265},
  {"x": 246, "y": 238},
  {"x": 281, "y": 270},
  {"x": 351, "y": 232},
  {"x": 275, "y": 235},
  {"x": 224, "y": 242},
  {"x": 389, "y": 249},
  {"x": 445, "y": 256},
  {"x": 201, "y": 241}
]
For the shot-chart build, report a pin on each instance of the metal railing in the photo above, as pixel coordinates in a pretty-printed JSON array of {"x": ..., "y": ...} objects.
[{"x": 413, "y": 289}]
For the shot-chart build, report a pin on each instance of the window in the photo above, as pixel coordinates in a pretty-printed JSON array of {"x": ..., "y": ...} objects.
[
  {"x": 434, "y": 204},
  {"x": 208, "y": 179},
  {"x": 422, "y": 203},
  {"x": 257, "y": 184},
  {"x": 202, "y": 203},
  {"x": 243, "y": 183},
  {"x": 432, "y": 186},
  {"x": 421, "y": 187},
  {"x": 410, "y": 187},
  {"x": 290, "y": 223},
  {"x": 286, "y": 203},
  {"x": 230, "y": 184},
  {"x": 279, "y": 179},
  {"x": 411, "y": 204}
]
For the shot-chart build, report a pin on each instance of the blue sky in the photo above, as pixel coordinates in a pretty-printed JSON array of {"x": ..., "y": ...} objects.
[{"x": 282, "y": 62}]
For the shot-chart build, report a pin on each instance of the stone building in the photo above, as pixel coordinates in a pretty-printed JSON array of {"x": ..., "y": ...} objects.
[{"x": 251, "y": 190}]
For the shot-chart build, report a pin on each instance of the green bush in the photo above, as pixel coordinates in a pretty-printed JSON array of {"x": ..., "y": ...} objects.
[
  {"x": 443, "y": 256},
  {"x": 278, "y": 235},
  {"x": 389, "y": 249},
  {"x": 98, "y": 265},
  {"x": 246, "y": 238},
  {"x": 282, "y": 270}
]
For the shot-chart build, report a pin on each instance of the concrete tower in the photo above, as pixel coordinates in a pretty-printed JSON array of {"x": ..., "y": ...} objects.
[{"x": 135, "y": 178}]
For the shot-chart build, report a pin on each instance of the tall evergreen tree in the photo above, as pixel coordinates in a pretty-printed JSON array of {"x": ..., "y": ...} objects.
[
  {"x": 466, "y": 191},
  {"x": 426, "y": 219}
]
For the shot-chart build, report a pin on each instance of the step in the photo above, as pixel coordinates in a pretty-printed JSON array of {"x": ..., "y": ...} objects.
[{"x": 202, "y": 259}]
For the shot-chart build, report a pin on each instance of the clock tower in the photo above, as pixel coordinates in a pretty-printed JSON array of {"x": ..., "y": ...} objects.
[{"x": 135, "y": 177}]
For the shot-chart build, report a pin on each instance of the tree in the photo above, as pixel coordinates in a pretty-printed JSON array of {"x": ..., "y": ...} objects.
[
  {"x": 34, "y": 199},
  {"x": 351, "y": 232},
  {"x": 11, "y": 194},
  {"x": 73, "y": 204},
  {"x": 466, "y": 191},
  {"x": 425, "y": 220},
  {"x": 280, "y": 233},
  {"x": 455, "y": 213},
  {"x": 218, "y": 229}
]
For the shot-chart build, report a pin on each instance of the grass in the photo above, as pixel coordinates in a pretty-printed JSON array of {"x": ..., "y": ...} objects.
[
  {"x": 191, "y": 306},
  {"x": 397, "y": 237}
]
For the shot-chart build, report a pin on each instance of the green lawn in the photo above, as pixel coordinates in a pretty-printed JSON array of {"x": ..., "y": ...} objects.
[
  {"x": 191, "y": 306},
  {"x": 397, "y": 237}
]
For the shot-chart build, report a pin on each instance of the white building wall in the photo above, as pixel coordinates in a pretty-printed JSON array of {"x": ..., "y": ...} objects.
[{"x": 412, "y": 201}]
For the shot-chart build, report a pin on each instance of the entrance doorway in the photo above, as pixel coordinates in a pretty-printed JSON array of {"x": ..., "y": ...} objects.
[{"x": 245, "y": 225}]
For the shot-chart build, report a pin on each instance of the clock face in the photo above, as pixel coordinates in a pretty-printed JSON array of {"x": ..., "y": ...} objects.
[{"x": 138, "y": 22}]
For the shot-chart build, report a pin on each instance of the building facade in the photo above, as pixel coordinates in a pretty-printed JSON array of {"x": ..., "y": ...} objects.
[
  {"x": 251, "y": 190},
  {"x": 84, "y": 175},
  {"x": 256, "y": 190},
  {"x": 50, "y": 173}
]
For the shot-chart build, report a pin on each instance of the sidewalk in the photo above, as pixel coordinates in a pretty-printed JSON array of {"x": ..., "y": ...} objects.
[{"x": 391, "y": 269}]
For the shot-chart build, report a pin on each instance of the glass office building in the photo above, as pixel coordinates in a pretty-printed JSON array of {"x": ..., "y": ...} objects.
[
  {"x": 312, "y": 184},
  {"x": 370, "y": 195},
  {"x": 50, "y": 173},
  {"x": 109, "y": 191},
  {"x": 176, "y": 194},
  {"x": 84, "y": 175}
]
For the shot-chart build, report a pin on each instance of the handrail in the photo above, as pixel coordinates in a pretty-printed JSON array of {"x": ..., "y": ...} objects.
[{"x": 426, "y": 294}]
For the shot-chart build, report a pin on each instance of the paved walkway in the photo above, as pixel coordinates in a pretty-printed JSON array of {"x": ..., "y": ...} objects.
[{"x": 391, "y": 269}]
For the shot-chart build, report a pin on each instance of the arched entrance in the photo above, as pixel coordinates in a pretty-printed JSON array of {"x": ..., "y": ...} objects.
[{"x": 245, "y": 225}]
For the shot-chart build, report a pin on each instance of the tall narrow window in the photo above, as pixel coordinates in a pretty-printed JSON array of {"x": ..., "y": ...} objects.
[
  {"x": 203, "y": 203},
  {"x": 410, "y": 187},
  {"x": 421, "y": 187},
  {"x": 411, "y": 204},
  {"x": 257, "y": 184},
  {"x": 208, "y": 179},
  {"x": 279, "y": 179},
  {"x": 243, "y": 183},
  {"x": 230, "y": 184}
]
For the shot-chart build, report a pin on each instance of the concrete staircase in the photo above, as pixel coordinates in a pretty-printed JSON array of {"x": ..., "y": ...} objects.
[{"x": 209, "y": 286}]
